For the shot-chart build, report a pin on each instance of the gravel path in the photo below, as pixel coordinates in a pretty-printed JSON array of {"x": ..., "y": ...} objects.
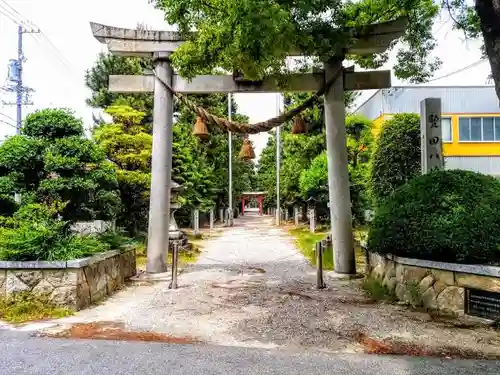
[{"x": 250, "y": 287}]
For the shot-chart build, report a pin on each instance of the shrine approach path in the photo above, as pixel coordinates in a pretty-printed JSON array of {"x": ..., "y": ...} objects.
[{"x": 251, "y": 287}]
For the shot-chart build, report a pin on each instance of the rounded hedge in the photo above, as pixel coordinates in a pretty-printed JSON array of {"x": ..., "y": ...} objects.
[
  {"x": 396, "y": 155},
  {"x": 448, "y": 216}
]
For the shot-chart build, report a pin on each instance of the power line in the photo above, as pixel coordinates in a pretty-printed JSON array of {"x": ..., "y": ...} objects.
[
  {"x": 15, "y": 14},
  {"x": 7, "y": 116},
  {"x": 56, "y": 50},
  {"x": 8, "y": 123},
  {"x": 8, "y": 15},
  {"x": 470, "y": 66}
]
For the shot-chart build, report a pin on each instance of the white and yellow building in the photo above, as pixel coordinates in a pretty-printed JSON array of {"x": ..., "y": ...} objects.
[{"x": 470, "y": 121}]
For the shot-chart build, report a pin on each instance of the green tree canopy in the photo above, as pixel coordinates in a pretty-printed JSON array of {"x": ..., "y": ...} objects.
[
  {"x": 128, "y": 146},
  {"x": 255, "y": 36},
  {"x": 314, "y": 179}
]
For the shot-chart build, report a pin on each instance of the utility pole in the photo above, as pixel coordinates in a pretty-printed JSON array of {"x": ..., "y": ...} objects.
[
  {"x": 15, "y": 79},
  {"x": 230, "y": 135},
  {"x": 15, "y": 84},
  {"x": 278, "y": 162}
]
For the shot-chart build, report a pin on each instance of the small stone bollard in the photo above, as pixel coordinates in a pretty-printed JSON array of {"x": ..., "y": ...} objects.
[
  {"x": 296, "y": 215},
  {"x": 221, "y": 215},
  {"x": 196, "y": 222},
  {"x": 312, "y": 220},
  {"x": 212, "y": 219},
  {"x": 230, "y": 217}
]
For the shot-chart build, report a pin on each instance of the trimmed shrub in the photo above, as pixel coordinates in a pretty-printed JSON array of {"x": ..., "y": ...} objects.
[
  {"x": 34, "y": 232},
  {"x": 396, "y": 155},
  {"x": 448, "y": 216}
]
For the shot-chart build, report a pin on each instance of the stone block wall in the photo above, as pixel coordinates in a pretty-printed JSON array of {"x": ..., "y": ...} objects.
[
  {"x": 75, "y": 284},
  {"x": 437, "y": 285}
]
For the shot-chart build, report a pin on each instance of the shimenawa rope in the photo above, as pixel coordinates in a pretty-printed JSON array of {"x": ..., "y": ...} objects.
[{"x": 258, "y": 127}]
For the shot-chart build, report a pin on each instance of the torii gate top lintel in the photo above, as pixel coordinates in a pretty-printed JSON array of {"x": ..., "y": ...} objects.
[{"x": 374, "y": 38}]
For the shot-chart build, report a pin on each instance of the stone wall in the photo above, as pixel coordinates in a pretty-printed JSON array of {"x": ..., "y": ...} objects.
[
  {"x": 436, "y": 285},
  {"x": 75, "y": 284},
  {"x": 92, "y": 227}
]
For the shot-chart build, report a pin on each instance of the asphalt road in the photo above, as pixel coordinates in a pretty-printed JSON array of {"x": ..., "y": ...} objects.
[{"x": 22, "y": 354}]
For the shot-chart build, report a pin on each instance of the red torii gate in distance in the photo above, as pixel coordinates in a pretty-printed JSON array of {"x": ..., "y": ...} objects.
[{"x": 258, "y": 195}]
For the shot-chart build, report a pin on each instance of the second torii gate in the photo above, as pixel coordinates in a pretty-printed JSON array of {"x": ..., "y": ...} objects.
[
  {"x": 160, "y": 44},
  {"x": 258, "y": 195}
]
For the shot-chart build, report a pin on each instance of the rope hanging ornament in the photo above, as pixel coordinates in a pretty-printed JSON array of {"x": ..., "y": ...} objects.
[
  {"x": 258, "y": 127},
  {"x": 247, "y": 152},
  {"x": 299, "y": 125},
  {"x": 200, "y": 129}
]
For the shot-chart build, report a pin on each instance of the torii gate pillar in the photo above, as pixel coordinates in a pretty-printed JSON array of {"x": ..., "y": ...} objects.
[
  {"x": 338, "y": 175},
  {"x": 161, "y": 166}
]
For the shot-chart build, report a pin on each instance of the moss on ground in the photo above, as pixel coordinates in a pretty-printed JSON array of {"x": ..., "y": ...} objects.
[{"x": 25, "y": 307}]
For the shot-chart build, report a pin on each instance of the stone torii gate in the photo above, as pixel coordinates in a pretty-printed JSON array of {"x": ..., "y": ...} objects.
[{"x": 160, "y": 44}]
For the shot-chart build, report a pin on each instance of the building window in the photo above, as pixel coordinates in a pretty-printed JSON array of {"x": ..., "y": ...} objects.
[
  {"x": 479, "y": 129},
  {"x": 446, "y": 132}
]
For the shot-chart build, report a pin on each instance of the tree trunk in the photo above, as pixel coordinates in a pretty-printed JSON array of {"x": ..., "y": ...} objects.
[{"x": 489, "y": 15}]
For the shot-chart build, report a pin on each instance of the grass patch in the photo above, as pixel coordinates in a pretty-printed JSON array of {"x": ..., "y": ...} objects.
[
  {"x": 306, "y": 240},
  {"x": 25, "y": 307},
  {"x": 185, "y": 257},
  {"x": 374, "y": 289},
  {"x": 360, "y": 233}
]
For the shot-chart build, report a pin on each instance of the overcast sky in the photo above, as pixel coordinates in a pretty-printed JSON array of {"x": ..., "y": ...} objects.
[{"x": 57, "y": 59}]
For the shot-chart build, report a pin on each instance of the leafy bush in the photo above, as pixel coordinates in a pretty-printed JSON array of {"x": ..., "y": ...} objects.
[
  {"x": 34, "y": 232},
  {"x": 449, "y": 216},
  {"x": 116, "y": 239},
  {"x": 396, "y": 156}
]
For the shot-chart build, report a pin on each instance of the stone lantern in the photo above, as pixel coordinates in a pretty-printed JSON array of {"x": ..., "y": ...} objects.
[{"x": 174, "y": 233}]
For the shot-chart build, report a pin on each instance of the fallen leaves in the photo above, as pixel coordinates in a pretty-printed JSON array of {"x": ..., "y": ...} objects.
[{"x": 116, "y": 331}]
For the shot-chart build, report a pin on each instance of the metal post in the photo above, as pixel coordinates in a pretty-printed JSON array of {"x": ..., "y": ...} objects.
[
  {"x": 338, "y": 176},
  {"x": 175, "y": 265},
  {"x": 161, "y": 167},
  {"x": 320, "y": 284},
  {"x": 278, "y": 156},
  {"x": 230, "y": 135}
]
